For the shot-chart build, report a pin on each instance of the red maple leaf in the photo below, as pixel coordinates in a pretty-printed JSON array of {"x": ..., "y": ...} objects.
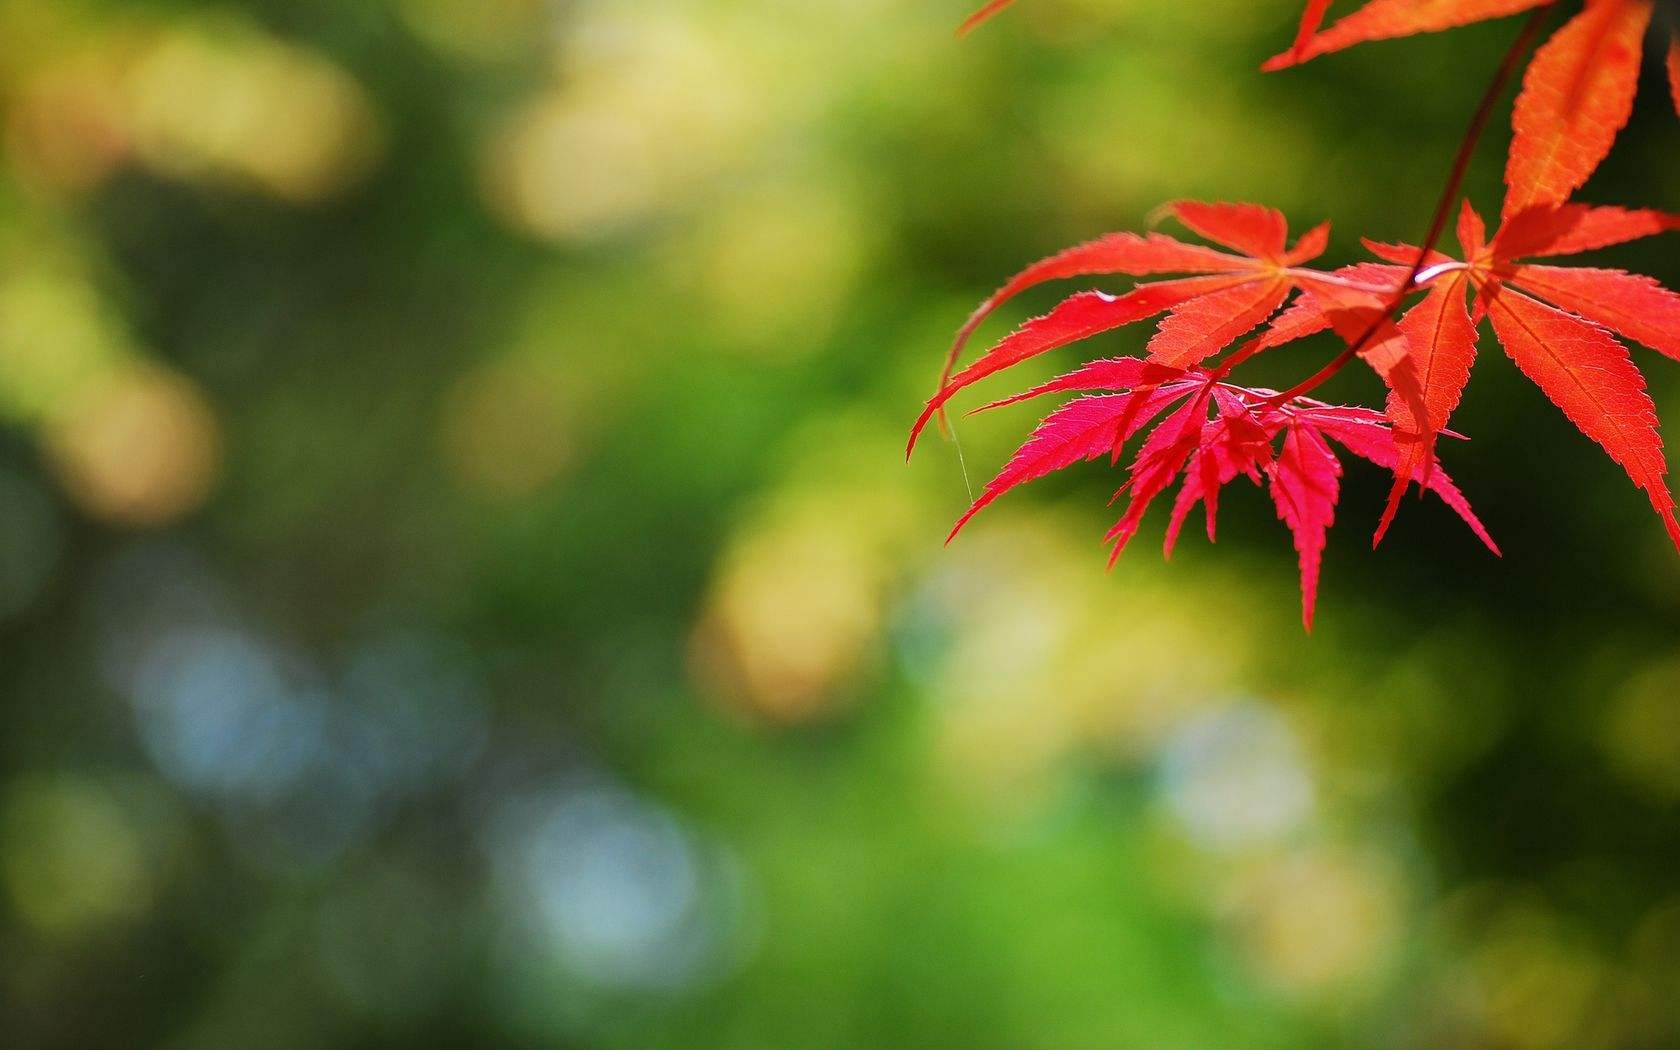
[
  {"x": 1576, "y": 97},
  {"x": 1559, "y": 324},
  {"x": 1217, "y": 433},
  {"x": 1232, "y": 294}
]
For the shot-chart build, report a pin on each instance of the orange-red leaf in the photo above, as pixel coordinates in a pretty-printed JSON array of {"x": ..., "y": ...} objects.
[
  {"x": 1211, "y": 453},
  {"x": 1310, "y": 245},
  {"x": 1248, "y": 228},
  {"x": 1306, "y": 315},
  {"x": 1358, "y": 315},
  {"x": 1573, "y": 228},
  {"x": 1386, "y": 19},
  {"x": 1632, "y": 304},
  {"x": 1301, "y": 318},
  {"x": 1424, "y": 360},
  {"x": 1083, "y": 429},
  {"x": 1122, "y": 253},
  {"x": 1443, "y": 347},
  {"x": 1402, "y": 256},
  {"x": 1587, "y": 374},
  {"x": 1259, "y": 232},
  {"x": 1209, "y": 323},
  {"x": 1158, "y": 462},
  {"x": 1576, "y": 97},
  {"x": 1306, "y": 481},
  {"x": 1472, "y": 231},
  {"x": 1233, "y": 444},
  {"x": 1107, "y": 373},
  {"x": 1079, "y": 317}
]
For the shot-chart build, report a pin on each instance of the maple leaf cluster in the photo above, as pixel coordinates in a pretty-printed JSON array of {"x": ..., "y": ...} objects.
[
  {"x": 1218, "y": 433},
  {"x": 1558, "y": 324}
]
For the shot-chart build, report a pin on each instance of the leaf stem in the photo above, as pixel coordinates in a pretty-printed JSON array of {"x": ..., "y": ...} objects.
[
  {"x": 1327, "y": 277},
  {"x": 1443, "y": 207}
]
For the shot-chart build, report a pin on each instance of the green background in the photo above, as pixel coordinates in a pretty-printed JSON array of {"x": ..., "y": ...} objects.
[{"x": 460, "y": 585}]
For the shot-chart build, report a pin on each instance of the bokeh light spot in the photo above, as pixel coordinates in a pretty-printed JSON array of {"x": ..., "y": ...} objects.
[
  {"x": 218, "y": 713},
  {"x": 71, "y": 859},
  {"x": 773, "y": 269},
  {"x": 142, "y": 448},
  {"x": 789, "y": 620},
  {"x": 652, "y": 108},
  {"x": 227, "y": 103},
  {"x": 1318, "y": 922},
  {"x": 1236, "y": 777},
  {"x": 57, "y": 336},
  {"x": 608, "y": 892}
]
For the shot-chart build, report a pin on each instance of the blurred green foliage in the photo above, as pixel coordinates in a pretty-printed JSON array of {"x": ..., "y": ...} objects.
[{"x": 459, "y": 585}]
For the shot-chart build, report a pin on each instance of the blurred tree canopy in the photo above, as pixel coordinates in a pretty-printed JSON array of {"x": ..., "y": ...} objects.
[{"x": 459, "y": 584}]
